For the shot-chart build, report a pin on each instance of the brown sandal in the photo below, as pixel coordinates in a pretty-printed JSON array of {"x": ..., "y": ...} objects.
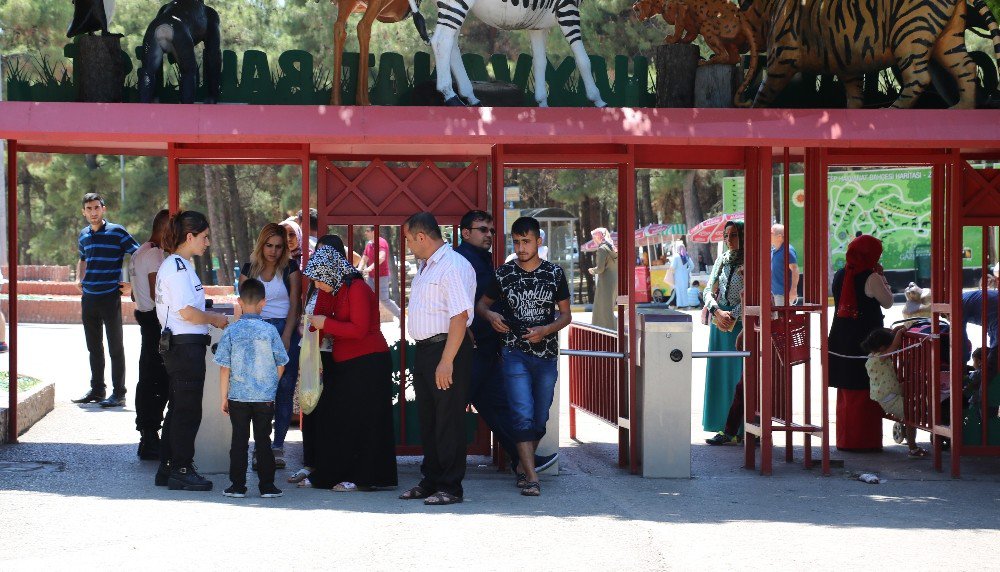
[
  {"x": 532, "y": 489},
  {"x": 442, "y": 498},
  {"x": 416, "y": 493}
]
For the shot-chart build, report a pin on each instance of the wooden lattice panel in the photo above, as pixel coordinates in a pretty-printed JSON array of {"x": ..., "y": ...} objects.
[
  {"x": 980, "y": 196},
  {"x": 379, "y": 193}
]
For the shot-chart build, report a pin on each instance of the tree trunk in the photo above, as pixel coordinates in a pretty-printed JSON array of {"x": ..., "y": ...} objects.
[
  {"x": 241, "y": 232},
  {"x": 645, "y": 198},
  {"x": 693, "y": 215},
  {"x": 715, "y": 85},
  {"x": 676, "y": 66},
  {"x": 99, "y": 70},
  {"x": 214, "y": 208},
  {"x": 24, "y": 212}
]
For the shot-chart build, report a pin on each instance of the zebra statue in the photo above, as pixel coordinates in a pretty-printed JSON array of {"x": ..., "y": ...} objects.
[{"x": 536, "y": 16}]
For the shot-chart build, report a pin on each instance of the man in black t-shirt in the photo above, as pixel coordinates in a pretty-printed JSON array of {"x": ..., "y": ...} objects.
[{"x": 531, "y": 291}]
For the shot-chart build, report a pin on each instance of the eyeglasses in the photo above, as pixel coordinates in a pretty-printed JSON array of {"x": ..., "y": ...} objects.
[{"x": 484, "y": 229}]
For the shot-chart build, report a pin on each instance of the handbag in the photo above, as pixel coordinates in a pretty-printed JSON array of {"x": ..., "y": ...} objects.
[{"x": 310, "y": 381}]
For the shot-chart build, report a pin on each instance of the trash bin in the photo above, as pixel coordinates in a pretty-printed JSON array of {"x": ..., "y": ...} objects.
[{"x": 664, "y": 392}]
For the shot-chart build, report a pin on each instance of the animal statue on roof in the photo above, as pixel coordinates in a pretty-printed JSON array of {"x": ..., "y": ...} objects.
[
  {"x": 177, "y": 29},
  {"x": 386, "y": 11},
  {"x": 720, "y": 22},
  {"x": 536, "y": 16},
  {"x": 91, "y": 16},
  {"x": 850, "y": 39}
]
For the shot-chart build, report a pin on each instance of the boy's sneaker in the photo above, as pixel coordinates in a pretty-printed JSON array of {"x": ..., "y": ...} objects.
[
  {"x": 270, "y": 491},
  {"x": 4, "y": 348},
  {"x": 544, "y": 462},
  {"x": 235, "y": 492}
]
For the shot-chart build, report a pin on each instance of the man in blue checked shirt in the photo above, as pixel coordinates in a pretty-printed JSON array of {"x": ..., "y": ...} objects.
[{"x": 103, "y": 246}]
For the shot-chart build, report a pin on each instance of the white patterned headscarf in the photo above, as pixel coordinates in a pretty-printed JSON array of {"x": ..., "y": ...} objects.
[{"x": 329, "y": 266}]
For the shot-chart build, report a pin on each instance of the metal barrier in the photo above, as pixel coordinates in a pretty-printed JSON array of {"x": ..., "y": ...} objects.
[{"x": 594, "y": 372}]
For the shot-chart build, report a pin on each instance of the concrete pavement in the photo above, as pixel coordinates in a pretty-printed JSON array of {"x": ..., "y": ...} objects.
[{"x": 73, "y": 494}]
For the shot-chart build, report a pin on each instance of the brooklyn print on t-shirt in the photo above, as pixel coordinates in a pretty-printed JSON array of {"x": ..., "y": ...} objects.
[{"x": 530, "y": 299}]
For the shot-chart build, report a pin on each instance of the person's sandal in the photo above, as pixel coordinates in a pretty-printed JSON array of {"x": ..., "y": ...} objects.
[
  {"x": 305, "y": 484},
  {"x": 441, "y": 498},
  {"x": 532, "y": 489},
  {"x": 917, "y": 452},
  {"x": 416, "y": 493},
  {"x": 299, "y": 475},
  {"x": 345, "y": 487},
  {"x": 522, "y": 480}
]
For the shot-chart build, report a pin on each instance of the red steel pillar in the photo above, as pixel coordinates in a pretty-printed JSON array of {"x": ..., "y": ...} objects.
[
  {"x": 173, "y": 182},
  {"x": 815, "y": 289},
  {"x": 626, "y": 283},
  {"x": 953, "y": 194},
  {"x": 12, "y": 260}
]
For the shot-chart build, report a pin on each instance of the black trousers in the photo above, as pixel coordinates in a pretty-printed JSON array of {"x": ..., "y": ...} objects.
[
  {"x": 185, "y": 365},
  {"x": 152, "y": 390},
  {"x": 442, "y": 417},
  {"x": 242, "y": 414},
  {"x": 102, "y": 314}
]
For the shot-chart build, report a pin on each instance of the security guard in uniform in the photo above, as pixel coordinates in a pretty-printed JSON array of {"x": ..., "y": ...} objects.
[{"x": 180, "y": 308}]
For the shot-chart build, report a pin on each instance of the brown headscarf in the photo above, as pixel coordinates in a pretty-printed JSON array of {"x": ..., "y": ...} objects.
[{"x": 862, "y": 255}]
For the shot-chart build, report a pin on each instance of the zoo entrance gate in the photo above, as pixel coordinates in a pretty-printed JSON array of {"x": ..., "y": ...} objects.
[{"x": 484, "y": 142}]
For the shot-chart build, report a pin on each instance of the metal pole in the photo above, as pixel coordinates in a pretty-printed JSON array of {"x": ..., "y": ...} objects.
[
  {"x": 173, "y": 184},
  {"x": 122, "y": 169},
  {"x": 12, "y": 289}
]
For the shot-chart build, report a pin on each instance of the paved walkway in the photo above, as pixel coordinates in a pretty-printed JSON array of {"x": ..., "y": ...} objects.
[{"x": 74, "y": 494}]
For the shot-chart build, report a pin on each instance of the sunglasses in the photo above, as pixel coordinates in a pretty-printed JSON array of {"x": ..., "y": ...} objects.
[{"x": 483, "y": 229}]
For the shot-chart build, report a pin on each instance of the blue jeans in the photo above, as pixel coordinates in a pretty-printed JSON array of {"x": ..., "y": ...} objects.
[
  {"x": 286, "y": 385},
  {"x": 531, "y": 384}
]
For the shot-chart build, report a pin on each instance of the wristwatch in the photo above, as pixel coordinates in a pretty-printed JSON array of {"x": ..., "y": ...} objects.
[{"x": 713, "y": 310}]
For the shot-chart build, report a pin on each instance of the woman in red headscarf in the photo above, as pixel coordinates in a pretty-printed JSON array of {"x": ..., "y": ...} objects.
[{"x": 860, "y": 291}]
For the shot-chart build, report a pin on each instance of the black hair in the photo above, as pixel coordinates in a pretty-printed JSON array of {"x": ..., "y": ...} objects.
[
  {"x": 879, "y": 338},
  {"x": 182, "y": 224},
  {"x": 313, "y": 218},
  {"x": 472, "y": 216},
  {"x": 696, "y": 283},
  {"x": 333, "y": 240},
  {"x": 423, "y": 222},
  {"x": 977, "y": 353},
  {"x": 252, "y": 291},
  {"x": 91, "y": 197},
  {"x": 524, "y": 225}
]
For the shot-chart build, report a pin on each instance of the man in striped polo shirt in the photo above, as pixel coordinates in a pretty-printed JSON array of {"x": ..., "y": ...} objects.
[{"x": 103, "y": 246}]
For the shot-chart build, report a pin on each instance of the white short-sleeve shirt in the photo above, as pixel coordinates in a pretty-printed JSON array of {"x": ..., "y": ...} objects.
[
  {"x": 144, "y": 262},
  {"x": 178, "y": 286},
  {"x": 444, "y": 287}
]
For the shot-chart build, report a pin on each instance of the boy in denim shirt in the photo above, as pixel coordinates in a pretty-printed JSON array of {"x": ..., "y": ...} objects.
[{"x": 252, "y": 358}]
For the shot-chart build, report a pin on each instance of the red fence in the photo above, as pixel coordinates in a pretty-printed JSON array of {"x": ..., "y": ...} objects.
[
  {"x": 593, "y": 381},
  {"x": 914, "y": 369}
]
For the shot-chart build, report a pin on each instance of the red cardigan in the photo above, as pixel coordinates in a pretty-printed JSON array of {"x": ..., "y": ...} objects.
[{"x": 352, "y": 319}]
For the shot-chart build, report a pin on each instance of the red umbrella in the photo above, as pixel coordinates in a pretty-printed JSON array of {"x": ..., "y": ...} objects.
[{"x": 711, "y": 229}]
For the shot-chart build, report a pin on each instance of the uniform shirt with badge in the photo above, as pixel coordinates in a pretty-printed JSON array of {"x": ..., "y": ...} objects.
[
  {"x": 178, "y": 286},
  {"x": 530, "y": 299},
  {"x": 145, "y": 261}
]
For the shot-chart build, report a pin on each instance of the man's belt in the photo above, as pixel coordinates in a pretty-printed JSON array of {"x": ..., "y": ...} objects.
[
  {"x": 432, "y": 340},
  {"x": 197, "y": 339}
]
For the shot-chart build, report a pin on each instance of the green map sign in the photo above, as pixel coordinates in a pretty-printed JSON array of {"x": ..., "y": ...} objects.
[{"x": 894, "y": 205}]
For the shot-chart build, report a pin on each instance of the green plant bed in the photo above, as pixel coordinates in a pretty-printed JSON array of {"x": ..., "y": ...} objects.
[{"x": 24, "y": 382}]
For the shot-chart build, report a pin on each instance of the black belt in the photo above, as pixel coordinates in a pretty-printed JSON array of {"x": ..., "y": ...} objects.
[
  {"x": 197, "y": 339},
  {"x": 432, "y": 340}
]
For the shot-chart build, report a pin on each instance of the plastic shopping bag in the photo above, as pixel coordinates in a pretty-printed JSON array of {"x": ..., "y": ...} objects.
[{"x": 310, "y": 381}]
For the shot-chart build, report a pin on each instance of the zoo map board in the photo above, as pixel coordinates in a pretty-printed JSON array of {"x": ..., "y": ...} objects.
[{"x": 893, "y": 205}]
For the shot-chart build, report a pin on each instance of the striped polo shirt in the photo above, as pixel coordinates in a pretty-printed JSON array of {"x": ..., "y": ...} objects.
[{"x": 104, "y": 252}]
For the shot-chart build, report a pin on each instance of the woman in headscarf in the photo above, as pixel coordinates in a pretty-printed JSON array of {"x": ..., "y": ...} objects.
[
  {"x": 682, "y": 266},
  {"x": 860, "y": 291},
  {"x": 293, "y": 235},
  {"x": 605, "y": 271},
  {"x": 354, "y": 445},
  {"x": 724, "y": 300}
]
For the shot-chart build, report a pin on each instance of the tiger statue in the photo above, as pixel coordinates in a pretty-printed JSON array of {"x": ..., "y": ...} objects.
[
  {"x": 850, "y": 38},
  {"x": 719, "y": 22}
]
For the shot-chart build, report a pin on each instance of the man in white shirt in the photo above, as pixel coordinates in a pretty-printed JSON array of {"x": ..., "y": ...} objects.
[
  {"x": 151, "y": 391},
  {"x": 442, "y": 299}
]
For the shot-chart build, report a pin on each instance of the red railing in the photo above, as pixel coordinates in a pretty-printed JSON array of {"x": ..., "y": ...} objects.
[
  {"x": 914, "y": 369},
  {"x": 593, "y": 381}
]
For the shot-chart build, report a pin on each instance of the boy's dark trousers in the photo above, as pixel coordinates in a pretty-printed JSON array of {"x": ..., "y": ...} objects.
[{"x": 242, "y": 414}]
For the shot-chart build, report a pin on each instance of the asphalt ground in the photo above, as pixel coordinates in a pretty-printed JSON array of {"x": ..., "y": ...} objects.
[{"x": 73, "y": 494}]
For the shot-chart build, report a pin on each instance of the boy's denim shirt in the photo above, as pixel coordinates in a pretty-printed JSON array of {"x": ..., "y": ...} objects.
[{"x": 252, "y": 349}]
